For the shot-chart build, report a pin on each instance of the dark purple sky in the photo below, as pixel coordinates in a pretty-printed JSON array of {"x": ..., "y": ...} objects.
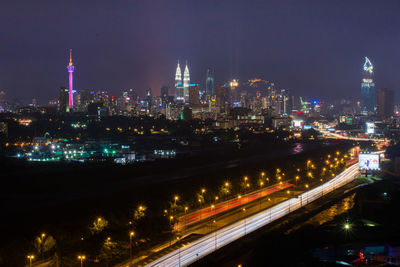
[{"x": 316, "y": 48}]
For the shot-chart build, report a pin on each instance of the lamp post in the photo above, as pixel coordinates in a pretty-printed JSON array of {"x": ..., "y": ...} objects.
[
  {"x": 30, "y": 257},
  {"x": 176, "y": 198},
  {"x": 131, "y": 234},
  {"x": 41, "y": 244},
  {"x": 81, "y": 258}
]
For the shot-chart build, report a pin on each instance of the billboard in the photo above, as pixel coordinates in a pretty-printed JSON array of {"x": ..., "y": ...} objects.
[
  {"x": 297, "y": 123},
  {"x": 368, "y": 161},
  {"x": 370, "y": 128}
]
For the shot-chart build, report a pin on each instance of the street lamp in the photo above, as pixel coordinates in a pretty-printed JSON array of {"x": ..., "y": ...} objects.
[
  {"x": 81, "y": 258},
  {"x": 30, "y": 257},
  {"x": 176, "y": 198},
  {"x": 41, "y": 243},
  {"x": 131, "y": 234}
]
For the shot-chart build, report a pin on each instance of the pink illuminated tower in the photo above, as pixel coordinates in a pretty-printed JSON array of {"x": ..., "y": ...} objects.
[{"x": 70, "y": 68}]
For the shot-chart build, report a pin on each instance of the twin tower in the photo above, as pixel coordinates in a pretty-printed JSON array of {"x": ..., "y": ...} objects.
[{"x": 182, "y": 86}]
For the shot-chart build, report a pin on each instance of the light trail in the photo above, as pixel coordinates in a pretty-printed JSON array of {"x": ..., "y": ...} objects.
[
  {"x": 215, "y": 240},
  {"x": 339, "y": 136},
  {"x": 217, "y": 208}
]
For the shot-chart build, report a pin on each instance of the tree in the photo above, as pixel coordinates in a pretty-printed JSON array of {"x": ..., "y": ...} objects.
[
  {"x": 139, "y": 212},
  {"x": 200, "y": 198},
  {"x": 226, "y": 189},
  {"x": 45, "y": 244},
  {"x": 98, "y": 225},
  {"x": 110, "y": 250}
]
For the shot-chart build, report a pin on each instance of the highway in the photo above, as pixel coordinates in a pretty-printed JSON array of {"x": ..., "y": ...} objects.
[
  {"x": 339, "y": 136},
  {"x": 199, "y": 248},
  {"x": 210, "y": 211}
]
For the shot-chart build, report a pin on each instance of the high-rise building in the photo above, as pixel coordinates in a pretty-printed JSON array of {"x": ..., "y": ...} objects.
[
  {"x": 221, "y": 92},
  {"x": 70, "y": 68},
  {"x": 233, "y": 91},
  {"x": 385, "y": 102},
  {"x": 164, "y": 93},
  {"x": 2, "y": 96},
  {"x": 179, "y": 92},
  {"x": 149, "y": 96},
  {"x": 82, "y": 99},
  {"x": 368, "y": 98},
  {"x": 2, "y": 100},
  {"x": 63, "y": 100},
  {"x": 194, "y": 95},
  {"x": 178, "y": 75},
  {"x": 186, "y": 83},
  {"x": 210, "y": 90}
]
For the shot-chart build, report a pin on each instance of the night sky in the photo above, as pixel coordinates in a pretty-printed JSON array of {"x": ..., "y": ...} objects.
[{"x": 316, "y": 48}]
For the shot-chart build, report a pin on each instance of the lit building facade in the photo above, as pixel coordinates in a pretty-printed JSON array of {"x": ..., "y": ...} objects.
[
  {"x": 179, "y": 94},
  {"x": 368, "y": 97},
  {"x": 186, "y": 83},
  {"x": 210, "y": 89},
  {"x": 182, "y": 86}
]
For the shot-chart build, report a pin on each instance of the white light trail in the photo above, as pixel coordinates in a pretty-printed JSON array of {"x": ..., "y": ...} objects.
[{"x": 215, "y": 240}]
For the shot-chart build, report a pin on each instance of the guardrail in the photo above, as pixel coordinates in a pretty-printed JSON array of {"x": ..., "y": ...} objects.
[{"x": 215, "y": 240}]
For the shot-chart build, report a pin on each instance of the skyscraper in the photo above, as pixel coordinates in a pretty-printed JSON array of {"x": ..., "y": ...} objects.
[
  {"x": 194, "y": 95},
  {"x": 178, "y": 75},
  {"x": 2, "y": 98},
  {"x": 221, "y": 98},
  {"x": 368, "y": 98},
  {"x": 186, "y": 82},
  {"x": 179, "y": 94},
  {"x": 385, "y": 103},
  {"x": 63, "y": 100},
  {"x": 164, "y": 93},
  {"x": 70, "y": 68},
  {"x": 210, "y": 83}
]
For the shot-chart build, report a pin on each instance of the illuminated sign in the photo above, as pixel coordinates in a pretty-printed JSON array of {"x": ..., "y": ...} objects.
[
  {"x": 307, "y": 127},
  {"x": 233, "y": 83},
  {"x": 368, "y": 161},
  {"x": 370, "y": 128},
  {"x": 297, "y": 123}
]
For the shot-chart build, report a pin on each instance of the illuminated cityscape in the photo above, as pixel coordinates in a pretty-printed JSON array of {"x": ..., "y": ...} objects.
[{"x": 214, "y": 133}]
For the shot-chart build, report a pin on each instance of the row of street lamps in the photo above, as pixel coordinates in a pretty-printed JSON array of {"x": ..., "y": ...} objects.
[{"x": 30, "y": 257}]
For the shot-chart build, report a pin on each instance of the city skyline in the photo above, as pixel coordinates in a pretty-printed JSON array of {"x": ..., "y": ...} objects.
[{"x": 233, "y": 49}]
